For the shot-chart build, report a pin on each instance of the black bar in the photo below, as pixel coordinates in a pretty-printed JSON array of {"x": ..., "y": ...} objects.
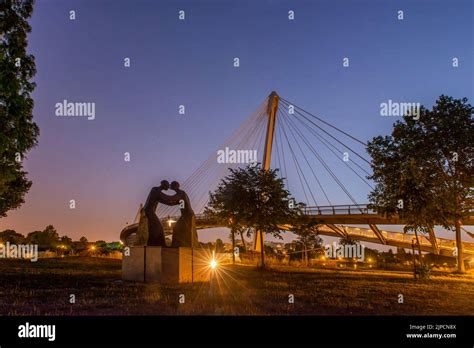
[{"x": 240, "y": 330}]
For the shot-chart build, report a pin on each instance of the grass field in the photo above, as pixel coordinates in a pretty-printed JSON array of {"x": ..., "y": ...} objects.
[{"x": 45, "y": 288}]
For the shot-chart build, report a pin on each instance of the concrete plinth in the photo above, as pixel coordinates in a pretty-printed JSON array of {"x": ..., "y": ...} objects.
[{"x": 165, "y": 265}]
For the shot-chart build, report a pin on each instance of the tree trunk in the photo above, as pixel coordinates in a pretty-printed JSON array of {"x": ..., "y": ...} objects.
[
  {"x": 307, "y": 256},
  {"x": 243, "y": 240},
  {"x": 233, "y": 244},
  {"x": 460, "y": 256},
  {"x": 419, "y": 247}
]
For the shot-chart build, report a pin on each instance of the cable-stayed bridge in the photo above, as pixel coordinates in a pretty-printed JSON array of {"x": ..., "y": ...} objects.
[{"x": 314, "y": 158}]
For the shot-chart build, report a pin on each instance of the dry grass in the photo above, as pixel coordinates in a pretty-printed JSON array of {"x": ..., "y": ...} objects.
[{"x": 44, "y": 288}]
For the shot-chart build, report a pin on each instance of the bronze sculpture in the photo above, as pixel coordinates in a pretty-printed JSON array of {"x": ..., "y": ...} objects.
[
  {"x": 149, "y": 230},
  {"x": 184, "y": 232},
  {"x": 156, "y": 234}
]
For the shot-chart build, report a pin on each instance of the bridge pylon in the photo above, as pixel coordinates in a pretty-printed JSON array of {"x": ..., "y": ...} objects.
[{"x": 272, "y": 108}]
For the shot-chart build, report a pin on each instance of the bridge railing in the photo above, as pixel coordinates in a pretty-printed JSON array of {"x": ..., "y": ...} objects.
[
  {"x": 395, "y": 236},
  {"x": 408, "y": 238},
  {"x": 446, "y": 243},
  {"x": 338, "y": 209}
]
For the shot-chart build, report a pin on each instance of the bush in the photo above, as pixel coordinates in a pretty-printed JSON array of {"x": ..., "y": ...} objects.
[{"x": 424, "y": 271}]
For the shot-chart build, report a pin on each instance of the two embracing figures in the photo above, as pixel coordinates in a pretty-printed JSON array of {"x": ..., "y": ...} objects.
[{"x": 150, "y": 231}]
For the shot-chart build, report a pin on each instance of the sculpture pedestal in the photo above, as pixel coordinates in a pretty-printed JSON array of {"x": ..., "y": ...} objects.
[{"x": 166, "y": 265}]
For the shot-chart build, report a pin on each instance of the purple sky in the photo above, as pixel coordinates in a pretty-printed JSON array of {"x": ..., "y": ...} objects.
[{"x": 191, "y": 62}]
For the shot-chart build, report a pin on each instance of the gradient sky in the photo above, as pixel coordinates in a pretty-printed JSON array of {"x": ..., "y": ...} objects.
[{"x": 175, "y": 62}]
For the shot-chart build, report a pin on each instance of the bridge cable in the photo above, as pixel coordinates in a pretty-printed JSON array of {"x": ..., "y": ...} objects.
[
  {"x": 221, "y": 172},
  {"x": 283, "y": 157},
  {"x": 223, "y": 169},
  {"x": 327, "y": 143},
  {"x": 328, "y": 169},
  {"x": 298, "y": 168},
  {"x": 196, "y": 178},
  {"x": 278, "y": 160},
  {"x": 242, "y": 130},
  {"x": 337, "y": 156},
  {"x": 327, "y": 123},
  {"x": 325, "y": 131},
  {"x": 306, "y": 159},
  {"x": 196, "y": 182}
]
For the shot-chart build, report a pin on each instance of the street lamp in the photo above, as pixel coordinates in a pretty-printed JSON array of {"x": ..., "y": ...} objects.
[
  {"x": 369, "y": 260},
  {"x": 213, "y": 267},
  {"x": 213, "y": 262}
]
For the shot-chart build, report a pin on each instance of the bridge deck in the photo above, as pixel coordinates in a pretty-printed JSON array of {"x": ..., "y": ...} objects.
[
  {"x": 359, "y": 214},
  {"x": 396, "y": 239}
]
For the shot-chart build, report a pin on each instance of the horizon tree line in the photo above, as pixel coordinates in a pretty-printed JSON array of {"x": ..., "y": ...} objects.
[{"x": 49, "y": 239}]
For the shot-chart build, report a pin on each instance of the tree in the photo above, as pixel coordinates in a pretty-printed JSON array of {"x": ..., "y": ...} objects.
[
  {"x": 253, "y": 197},
  {"x": 18, "y": 132},
  {"x": 234, "y": 228},
  {"x": 12, "y": 237},
  {"x": 404, "y": 186},
  {"x": 100, "y": 245},
  {"x": 219, "y": 245},
  {"x": 424, "y": 170},
  {"x": 114, "y": 246},
  {"x": 46, "y": 239},
  {"x": 450, "y": 128},
  {"x": 249, "y": 233},
  {"x": 80, "y": 245},
  {"x": 371, "y": 255},
  {"x": 348, "y": 241},
  {"x": 307, "y": 236},
  {"x": 389, "y": 257},
  {"x": 269, "y": 250},
  {"x": 66, "y": 241}
]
